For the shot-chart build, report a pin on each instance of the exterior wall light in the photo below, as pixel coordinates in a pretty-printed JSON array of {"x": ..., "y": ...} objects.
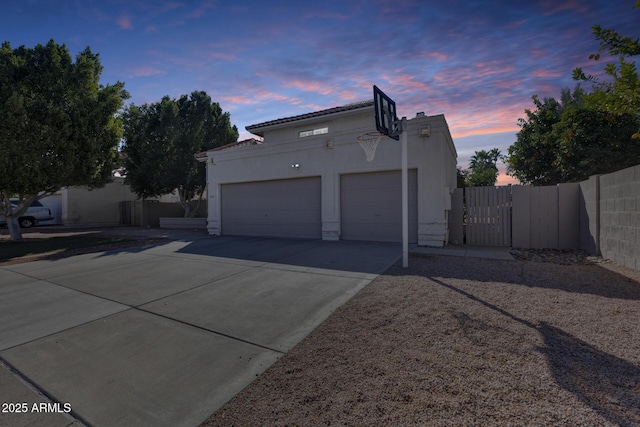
[{"x": 296, "y": 166}]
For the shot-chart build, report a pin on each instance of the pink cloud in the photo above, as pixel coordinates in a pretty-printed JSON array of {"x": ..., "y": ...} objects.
[
  {"x": 408, "y": 82},
  {"x": 204, "y": 8},
  {"x": 124, "y": 22},
  {"x": 539, "y": 54},
  {"x": 469, "y": 110},
  {"x": 221, "y": 55},
  {"x": 349, "y": 95},
  {"x": 554, "y": 6},
  {"x": 260, "y": 96},
  {"x": 486, "y": 129},
  {"x": 482, "y": 121},
  {"x": 507, "y": 84},
  {"x": 438, "y": 56},
  {"x": 545, "y": 73},
  {"x": 546, "y": 90},
  {"x": 470, "y": 118},
  {"x": 240, "y": 99},
  {"x": 264, "y": 95},
  {"x": 186, "y": 63},
  {"x": 171, "y": 6},
  {"x": 310, "y": 86},
  {"x": 515, "y": 24},
  {"x": 491, "y": 68},
  {"x": 144, "y": 71}
]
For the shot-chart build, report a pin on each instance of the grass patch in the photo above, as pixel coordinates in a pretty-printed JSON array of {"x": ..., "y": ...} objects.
[{"x": 54, "y": 245}]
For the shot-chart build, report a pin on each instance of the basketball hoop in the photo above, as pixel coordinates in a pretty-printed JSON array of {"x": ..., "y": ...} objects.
[{"x": 369, "y": 143}]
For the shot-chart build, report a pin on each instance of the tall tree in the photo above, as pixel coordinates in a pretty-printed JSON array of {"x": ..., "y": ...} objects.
[
  {"x": 59, "y": 126},
  {"x": 569, "y": 142},
  {"x": 461, "y": 177},
  {"x": 531, "y": 156},
  {"x": 589, "y": 142},
  {"x": 588, "y": 133},
  {"x": 483, "y": 169},
  {"x": 620, "y": 92},
  {"x": 161, "y": 139}
]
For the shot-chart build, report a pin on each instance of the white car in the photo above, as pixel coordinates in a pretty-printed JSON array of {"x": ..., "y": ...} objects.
[{"x": 35, "y": 213}]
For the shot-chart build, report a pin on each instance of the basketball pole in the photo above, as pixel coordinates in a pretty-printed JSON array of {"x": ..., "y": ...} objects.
[
  {"x": 387, "y": 123},
  {"x": 405, "y": 195}
]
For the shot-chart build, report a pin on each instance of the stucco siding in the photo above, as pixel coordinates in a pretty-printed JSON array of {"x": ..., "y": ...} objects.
[
  {"x": 281, "y": 208},
  {"x": 331, "y": 155},
  {"x": 371, "y": 206}
]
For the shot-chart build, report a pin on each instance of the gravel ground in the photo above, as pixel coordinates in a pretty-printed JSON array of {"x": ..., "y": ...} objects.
[{"x": 463, "y": 342}]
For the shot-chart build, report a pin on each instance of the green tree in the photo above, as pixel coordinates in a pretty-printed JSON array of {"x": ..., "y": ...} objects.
[
  {"x": 620, "y": 93},
  {"x": 615, "y": 43},
  {"x": 589, "y": 142},
  {"x": 587, "y": 133},
  {"x": 531, "y": 157},
  {"x": 483, "y": 170},
  {"x": 59, "y": 127},
  {"x": 461, "y": 177},
  {"x": 161, "y": 139},
  {"x": 570, "y": 141}
]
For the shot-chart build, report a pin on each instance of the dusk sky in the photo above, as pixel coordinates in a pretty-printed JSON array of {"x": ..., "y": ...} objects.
[{"x": 476, "y": 62}]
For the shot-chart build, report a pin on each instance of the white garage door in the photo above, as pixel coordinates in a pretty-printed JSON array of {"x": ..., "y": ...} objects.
[
  {"x": 371, "y": 206},
  {"x": 282, "y": 208}
]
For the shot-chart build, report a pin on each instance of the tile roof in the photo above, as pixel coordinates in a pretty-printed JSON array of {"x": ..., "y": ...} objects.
[
  {"x": 354, "y": 106},
  {"x": 244, "y": 143}
]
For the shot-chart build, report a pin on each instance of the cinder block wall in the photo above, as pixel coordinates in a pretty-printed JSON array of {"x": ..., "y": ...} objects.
[
  {"x": 590, "y": 215},
  {"x": 620, "y": 217}
]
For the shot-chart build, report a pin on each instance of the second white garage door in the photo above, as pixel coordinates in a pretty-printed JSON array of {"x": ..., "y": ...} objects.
[
  {"x": 281, "y": 208},
  {"x": 371, "y": 206}
]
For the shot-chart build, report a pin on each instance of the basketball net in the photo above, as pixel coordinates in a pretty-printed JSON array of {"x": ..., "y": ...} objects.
[{"x": 369, "y": 143}]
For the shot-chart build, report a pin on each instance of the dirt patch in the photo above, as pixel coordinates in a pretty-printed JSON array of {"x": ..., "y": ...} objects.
[
  {"x": 557, "y": 256},
  {"x": 463, "y": 341}
]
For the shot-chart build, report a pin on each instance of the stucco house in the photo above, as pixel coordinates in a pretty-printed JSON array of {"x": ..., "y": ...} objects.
[{"x": 308, "y": 177}]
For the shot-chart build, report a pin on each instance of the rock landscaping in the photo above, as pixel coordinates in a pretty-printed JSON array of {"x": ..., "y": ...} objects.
[
  {"x": 557, "y": 256},
  {"x": 456, "y": 341}
]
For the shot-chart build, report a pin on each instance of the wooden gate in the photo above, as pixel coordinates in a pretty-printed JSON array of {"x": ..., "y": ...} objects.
[
  {"x": 126, "y": 213},
  {"x": 488, "y": 216}
]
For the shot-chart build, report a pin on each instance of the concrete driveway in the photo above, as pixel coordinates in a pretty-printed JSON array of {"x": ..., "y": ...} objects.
[{"x": 164, "y": 335}]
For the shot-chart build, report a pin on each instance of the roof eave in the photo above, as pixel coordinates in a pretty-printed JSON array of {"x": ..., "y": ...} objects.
[{"x": 260, "y": 128}]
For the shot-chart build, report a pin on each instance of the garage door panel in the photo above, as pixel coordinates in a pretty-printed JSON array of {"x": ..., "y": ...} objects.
[
  {"x": 371, "y": 206},
  {"x": 282, "y": 208}
]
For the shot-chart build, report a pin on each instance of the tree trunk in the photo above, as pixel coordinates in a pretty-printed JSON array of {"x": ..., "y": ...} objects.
[
  {"x": 194, "y": 211},
  {"x": 187, "y": 210},
  {"x": 184, "y": 203},
  {"x": 14, "y": 228}
]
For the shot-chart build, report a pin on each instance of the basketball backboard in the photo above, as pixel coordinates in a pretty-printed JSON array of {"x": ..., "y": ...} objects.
[{"x": 385, "y": 109}]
